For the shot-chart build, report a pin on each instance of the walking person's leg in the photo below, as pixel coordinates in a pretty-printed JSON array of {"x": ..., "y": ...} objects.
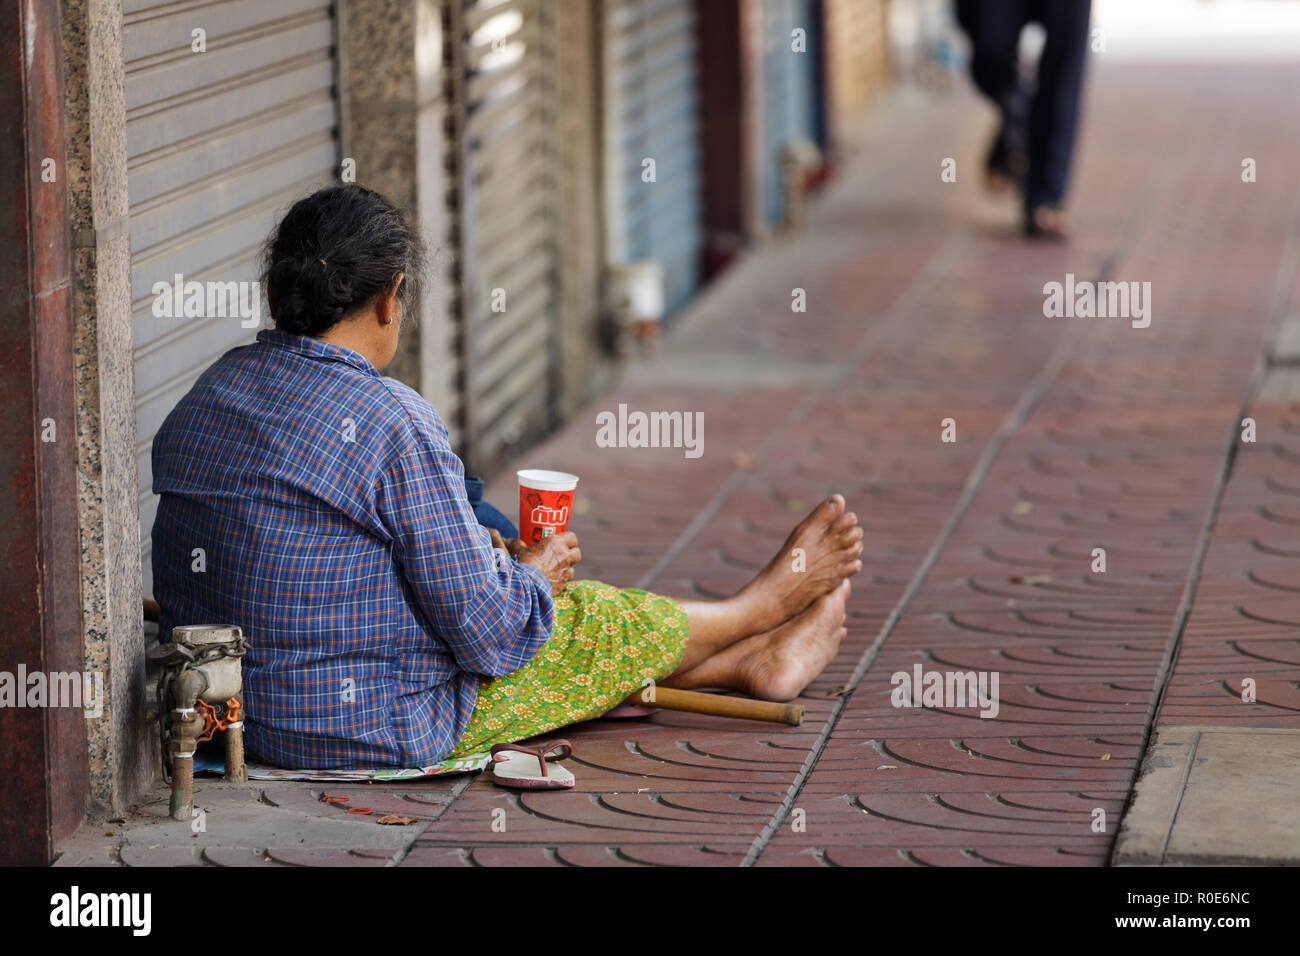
[
  {"x": 994, "y": 32},
  {"x": 1054, "y": 116}
]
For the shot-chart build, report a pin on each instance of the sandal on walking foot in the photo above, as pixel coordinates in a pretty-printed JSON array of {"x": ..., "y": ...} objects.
[
  {"x": 1004, "y": 167},
  {"x": 1047, "y": 222},
  {"x": 525, "y": 767}
]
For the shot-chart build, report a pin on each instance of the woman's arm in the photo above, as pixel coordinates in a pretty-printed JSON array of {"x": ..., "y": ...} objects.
[{"x": 493, "y": 612}]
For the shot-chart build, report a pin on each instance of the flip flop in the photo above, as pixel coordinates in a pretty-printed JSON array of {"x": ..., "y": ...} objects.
[
  {"x": 1051, "y": 226},
  {"x": 527, "y": 768}
]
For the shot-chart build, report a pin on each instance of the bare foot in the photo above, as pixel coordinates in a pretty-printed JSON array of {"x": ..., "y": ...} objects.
[
  {"x": 777, "y": 664},
  {"x": 823, "y": 550},
  {"x": 799, "y": 650}
]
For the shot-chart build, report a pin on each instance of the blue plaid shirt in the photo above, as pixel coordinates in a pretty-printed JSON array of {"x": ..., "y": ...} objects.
[{"x": 319, "y": 506}]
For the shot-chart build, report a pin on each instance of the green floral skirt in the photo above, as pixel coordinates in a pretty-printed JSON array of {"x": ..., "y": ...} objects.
[{"x": 605, "y": 643}]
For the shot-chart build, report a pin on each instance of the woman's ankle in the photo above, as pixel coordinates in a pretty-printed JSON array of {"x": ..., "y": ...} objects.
[{"x": 760, "y": 607}]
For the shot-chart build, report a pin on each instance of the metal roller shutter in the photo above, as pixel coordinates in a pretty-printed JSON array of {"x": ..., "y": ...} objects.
[
  {"x": 652, "y": 111},
  {"x": 500, "y": 66},
  {"x": 790, "y": 90},
  {"x": 219, "y": 143}
]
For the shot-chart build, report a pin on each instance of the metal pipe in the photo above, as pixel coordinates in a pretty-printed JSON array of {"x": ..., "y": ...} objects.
[
  {"x": 236, "y": 771},
  {"x": 186, "y": 724}
]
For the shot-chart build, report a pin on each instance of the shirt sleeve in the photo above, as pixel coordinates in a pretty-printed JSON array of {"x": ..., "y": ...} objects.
[{"x": 493, "y": 612}]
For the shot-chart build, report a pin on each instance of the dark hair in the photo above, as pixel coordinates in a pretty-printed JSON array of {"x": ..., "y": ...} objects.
[{"x": 336, "y": 250}]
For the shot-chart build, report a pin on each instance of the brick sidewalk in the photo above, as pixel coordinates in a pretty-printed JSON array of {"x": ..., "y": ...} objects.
[{"x": 1071, "y": 435}]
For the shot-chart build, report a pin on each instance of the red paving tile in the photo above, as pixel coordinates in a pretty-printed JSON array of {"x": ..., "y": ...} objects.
[{"x": 1246, "y": 622}]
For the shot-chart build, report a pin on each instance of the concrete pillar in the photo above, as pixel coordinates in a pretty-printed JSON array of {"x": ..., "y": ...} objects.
[
  {"x": 122, "y": 745},
  {"x": 584, "y": 368},
  {"x": 391, "y": 99}
]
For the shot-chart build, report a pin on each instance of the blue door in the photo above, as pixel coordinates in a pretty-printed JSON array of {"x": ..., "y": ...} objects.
[
  {"x": 791, "y": 58},
  {"x": 652, "y": 140}
]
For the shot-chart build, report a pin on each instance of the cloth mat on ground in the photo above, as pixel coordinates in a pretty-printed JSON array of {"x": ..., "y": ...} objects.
[{"x": 211, "y": 760}]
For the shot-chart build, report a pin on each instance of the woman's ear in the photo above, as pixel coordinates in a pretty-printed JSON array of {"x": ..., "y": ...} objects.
[{"x": 388, "y": 305}]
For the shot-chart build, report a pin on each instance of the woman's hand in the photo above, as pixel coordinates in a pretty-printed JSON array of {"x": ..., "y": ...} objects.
[{"x": 554, "y": 556}]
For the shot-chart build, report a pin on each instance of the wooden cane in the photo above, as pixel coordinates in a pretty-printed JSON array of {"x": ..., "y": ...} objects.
[{"x": 718, "y": 705}]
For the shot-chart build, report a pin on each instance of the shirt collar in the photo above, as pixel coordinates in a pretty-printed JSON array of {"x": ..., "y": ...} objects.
[{"x": 315, "y": 349}]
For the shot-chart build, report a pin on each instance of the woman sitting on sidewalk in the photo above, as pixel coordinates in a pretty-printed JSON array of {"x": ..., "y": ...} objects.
[{"x": 319, "y": 505}]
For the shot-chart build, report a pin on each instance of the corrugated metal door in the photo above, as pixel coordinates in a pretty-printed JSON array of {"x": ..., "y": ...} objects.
[
  {"x": 652, "y": 113},
  {"x": 500, "y": 59},
  {"x": 219, "y": 143},
  {"x": 790, "y": 89}
]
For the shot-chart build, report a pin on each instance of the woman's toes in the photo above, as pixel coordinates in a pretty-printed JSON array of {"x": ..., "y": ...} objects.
[
  {"x": 848, "y": 555},
  {"x": 830, "y": 511},
  {"x": 823, "y": 517},
  {"x": 844, "y": 523},
  {"x": 824, "y": 553},
  {"x": 833, "y": 603}
]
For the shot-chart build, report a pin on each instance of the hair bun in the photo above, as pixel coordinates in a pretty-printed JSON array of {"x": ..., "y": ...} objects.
[{"x": 333, "y": 252}]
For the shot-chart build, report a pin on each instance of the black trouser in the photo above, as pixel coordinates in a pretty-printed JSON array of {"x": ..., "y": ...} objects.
[{"x": 1041, "y": 123}]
